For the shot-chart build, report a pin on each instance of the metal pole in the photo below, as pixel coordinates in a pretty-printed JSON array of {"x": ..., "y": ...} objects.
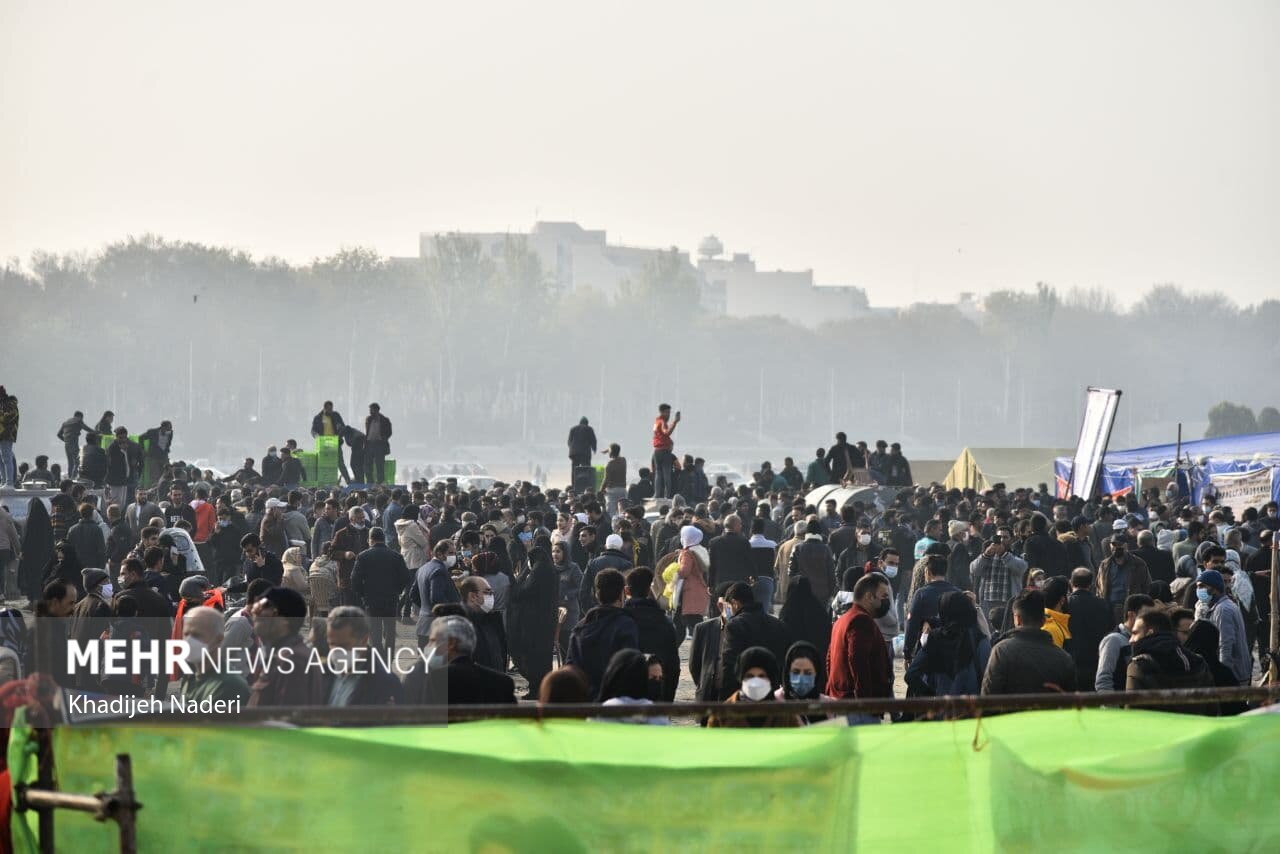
[
  {"x": 760, "y": 416},
  {"x": 600, "y": 420},
  {"x": 1177, "y": 461},
  {"x": 831, "y": 395},
  {"x": 260, "y": 384},
  {"x": 1273, "y": 669},
  {"x": 1022, "y": 410},
  {"x": 902, "y": 409},
  {"x": 959, "y": 392},
  {"x": 191, "y": 385}
]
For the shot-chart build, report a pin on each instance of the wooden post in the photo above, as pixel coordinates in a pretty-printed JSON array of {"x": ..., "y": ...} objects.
[
  {"x": 45, "y": 779},
  {"x": 125, "y": 805}
]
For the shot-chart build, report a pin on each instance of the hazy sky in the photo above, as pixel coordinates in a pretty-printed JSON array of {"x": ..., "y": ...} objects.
[{"x": 914, "y": 149}]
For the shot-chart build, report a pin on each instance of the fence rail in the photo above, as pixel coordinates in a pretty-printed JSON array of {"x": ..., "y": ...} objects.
[{"x": 939, "y": 707}]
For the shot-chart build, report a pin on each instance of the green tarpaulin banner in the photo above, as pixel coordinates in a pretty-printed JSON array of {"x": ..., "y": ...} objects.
[{"x": 1075, "y": 780}]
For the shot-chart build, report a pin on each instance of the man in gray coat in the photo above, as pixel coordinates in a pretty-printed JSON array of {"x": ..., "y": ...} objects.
[{"x": 1027, "y": 661}]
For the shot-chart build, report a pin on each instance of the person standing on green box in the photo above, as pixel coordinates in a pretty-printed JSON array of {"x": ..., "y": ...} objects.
[
  {"x": 377, "y": 434},
  {"x": 328, "y": 422}
]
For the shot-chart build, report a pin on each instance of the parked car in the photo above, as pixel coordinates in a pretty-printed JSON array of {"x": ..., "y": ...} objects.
[{"x": 715, "y": 471}]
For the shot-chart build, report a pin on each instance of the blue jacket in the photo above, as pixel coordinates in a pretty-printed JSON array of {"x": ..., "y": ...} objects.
[{"x": 435, "y": 585}]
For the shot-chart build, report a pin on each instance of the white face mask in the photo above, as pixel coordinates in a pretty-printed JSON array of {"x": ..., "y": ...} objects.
[
  {"x": 864, "y": 539},
  {"x": 756, "y": 688},
  {"x": 486, "y": 604},
  {"x": 107, "y": 589},
  {"x": 891, "y": 569},
  {"x": 435, "y": 658},
  {"x": 451, "y": 560},
  {"x": 195, "y": 652}
]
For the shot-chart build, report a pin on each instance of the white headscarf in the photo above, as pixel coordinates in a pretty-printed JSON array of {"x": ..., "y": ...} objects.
[{"x": 690, "y": 536}]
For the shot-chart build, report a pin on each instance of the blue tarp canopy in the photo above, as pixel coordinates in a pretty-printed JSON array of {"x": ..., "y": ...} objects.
[{"x": 1225, "y": 455}]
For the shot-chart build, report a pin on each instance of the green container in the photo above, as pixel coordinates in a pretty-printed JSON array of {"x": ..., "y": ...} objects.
[
  {"x": 389, "y": 470},
  {"x": 149, "y": 473},
  {"x": 326, "y": 443},
  {"x": 599, "y": 477},
  {"x": 308, "y": 460}
]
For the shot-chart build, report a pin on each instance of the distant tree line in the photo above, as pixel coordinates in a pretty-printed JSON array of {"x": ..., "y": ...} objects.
[
  {"x": 1230, "y": 419},
  {"x": 468, "y": 348}
]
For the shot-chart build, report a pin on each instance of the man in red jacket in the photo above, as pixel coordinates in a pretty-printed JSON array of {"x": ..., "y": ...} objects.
[{"x": 858, "y": 664}]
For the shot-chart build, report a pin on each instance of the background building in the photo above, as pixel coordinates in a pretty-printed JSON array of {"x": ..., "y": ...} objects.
[{"x": 579, "y": 259}]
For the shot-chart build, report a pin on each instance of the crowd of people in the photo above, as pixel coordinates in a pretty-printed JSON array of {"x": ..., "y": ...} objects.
[{"x": 588, "y": 593}]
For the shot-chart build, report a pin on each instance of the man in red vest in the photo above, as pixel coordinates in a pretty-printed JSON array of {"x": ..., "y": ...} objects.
[{"x": 664, "y": 458}]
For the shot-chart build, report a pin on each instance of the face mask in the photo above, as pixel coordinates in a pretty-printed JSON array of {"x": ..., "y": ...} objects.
[
  {"x": 224, "y": 523},
  {"x": 756, "y": 688},
  {"x": 864, "y": 539},
  {"x": 727, "y": 612},
  {"x": 891, "y": 570},
  {"x": 451, "y": 560},
  {"x": 435, "y": 659},
  {"x": 883, "y": 609},
  {"x": 107, "y": 589},
  {"x": 195, "y": 651},
  {"x": 1203, "y": 595},
  {"x": 359, "y": 526},
  {"x": 486, "y": 604},
  {"x": 466, "y": 554},
  {"x": 802, "y": 683},
  {"x": 272, "y": 454},
  {"x": 655, "y": 690}
]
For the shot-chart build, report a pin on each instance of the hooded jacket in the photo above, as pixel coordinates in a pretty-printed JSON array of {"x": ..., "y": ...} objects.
[
  {"x": 415, "y": 545},
  {"x": 602, "y": 632},
  {"x": 1159, "y": 662},
  {"x": 1076, "y": 551}
]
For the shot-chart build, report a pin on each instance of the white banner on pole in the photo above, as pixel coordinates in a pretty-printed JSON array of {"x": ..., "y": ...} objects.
[{"x": 1095, "y": 431}]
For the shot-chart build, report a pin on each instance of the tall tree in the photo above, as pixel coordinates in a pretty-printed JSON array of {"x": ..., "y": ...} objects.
[{"x": 1230, "y": 419}]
